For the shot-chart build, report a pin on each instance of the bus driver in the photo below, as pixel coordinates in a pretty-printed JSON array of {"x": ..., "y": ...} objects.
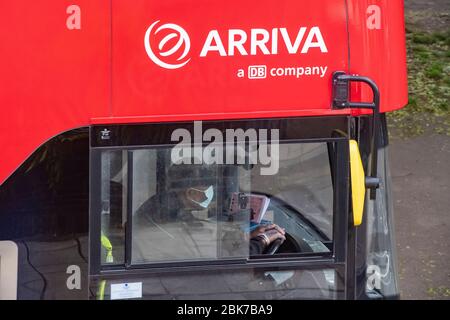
[{"x": 189, "y": 188}]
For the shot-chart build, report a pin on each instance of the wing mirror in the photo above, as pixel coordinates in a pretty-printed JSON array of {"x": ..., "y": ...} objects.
[{"x": 359, "y": 182}]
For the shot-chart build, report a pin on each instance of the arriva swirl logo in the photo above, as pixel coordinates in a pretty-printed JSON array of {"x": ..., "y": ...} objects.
[{"x": 174, "y": 57}]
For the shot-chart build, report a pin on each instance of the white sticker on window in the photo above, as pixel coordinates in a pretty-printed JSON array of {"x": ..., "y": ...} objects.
[{"x": 126, "y": 290}]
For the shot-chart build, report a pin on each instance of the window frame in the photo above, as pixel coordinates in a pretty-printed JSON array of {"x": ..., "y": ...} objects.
[{"x": 292, "y": 130}]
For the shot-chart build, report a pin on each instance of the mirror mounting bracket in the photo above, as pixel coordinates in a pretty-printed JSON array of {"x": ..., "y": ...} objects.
[{"x": 341, "y": 100}]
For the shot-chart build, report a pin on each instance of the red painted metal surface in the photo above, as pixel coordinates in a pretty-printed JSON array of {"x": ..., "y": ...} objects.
[
  {"x": 55, "y": 79},
  {"x": 379, "y": 53},
  {"x": 52, "y": 79},
  {"x": 211, "y": 84}
]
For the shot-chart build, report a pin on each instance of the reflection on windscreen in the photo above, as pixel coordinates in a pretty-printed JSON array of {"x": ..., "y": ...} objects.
[{"x": 303, "y": 181}]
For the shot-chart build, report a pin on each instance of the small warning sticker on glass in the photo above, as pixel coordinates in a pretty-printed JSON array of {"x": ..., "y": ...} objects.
[{"x": 126, "y": 290}]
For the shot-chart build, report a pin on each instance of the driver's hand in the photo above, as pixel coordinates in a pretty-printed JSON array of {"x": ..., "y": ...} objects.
[
  {"x": 274, "y": 234},
  {"x": 272, "y": 231},
  {"x": 263, "y": 228}
]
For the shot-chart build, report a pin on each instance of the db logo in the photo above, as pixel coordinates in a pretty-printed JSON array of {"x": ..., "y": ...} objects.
[
  {"x": 168, "y": 45},
  {"x": 257, "y": 72}
]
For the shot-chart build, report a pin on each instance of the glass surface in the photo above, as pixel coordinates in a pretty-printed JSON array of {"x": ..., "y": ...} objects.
[
  {"x": 239, "y": 284},
  {"x": 190, "y": 212}
]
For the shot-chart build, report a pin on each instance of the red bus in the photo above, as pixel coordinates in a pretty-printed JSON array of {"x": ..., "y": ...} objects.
[{"x": 116, "y": 113}]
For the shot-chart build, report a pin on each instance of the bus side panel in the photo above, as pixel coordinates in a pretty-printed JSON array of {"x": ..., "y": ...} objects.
[
  {"x": 377, "y": 50},
  {"x": 55, "y": 63}
]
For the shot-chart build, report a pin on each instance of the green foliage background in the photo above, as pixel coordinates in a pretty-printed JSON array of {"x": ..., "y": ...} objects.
[{"x": 429, "y": 84}]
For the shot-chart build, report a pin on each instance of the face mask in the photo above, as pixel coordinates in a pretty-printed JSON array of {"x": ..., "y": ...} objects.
[{"x": 209, "y": 194}]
